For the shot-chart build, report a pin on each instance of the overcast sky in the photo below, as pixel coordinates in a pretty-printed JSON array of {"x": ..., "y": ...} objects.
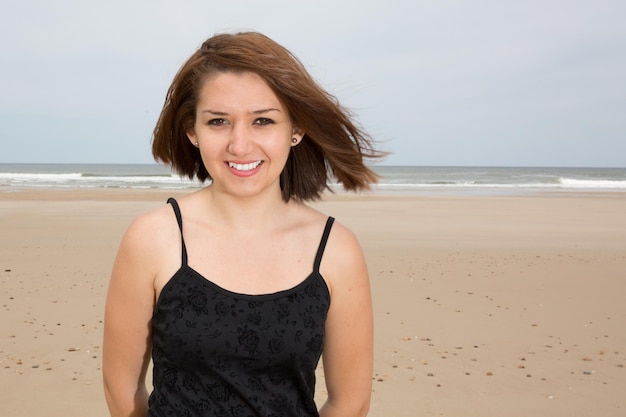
[{"x": 439, "y": 82}]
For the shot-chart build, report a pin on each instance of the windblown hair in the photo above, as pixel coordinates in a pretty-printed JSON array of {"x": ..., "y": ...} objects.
[{"x": 332, "y": 144}]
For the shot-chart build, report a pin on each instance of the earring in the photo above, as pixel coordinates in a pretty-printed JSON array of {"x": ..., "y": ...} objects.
[
  {"x": 196, "y": 144},
  {"x": 294, "y": 140}
]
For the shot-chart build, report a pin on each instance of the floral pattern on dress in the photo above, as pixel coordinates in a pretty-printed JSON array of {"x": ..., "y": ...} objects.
[{"x": 219, "y": 353}]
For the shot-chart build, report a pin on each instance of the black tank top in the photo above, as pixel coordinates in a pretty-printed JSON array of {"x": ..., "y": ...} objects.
[{"x": 220, "y": 353}]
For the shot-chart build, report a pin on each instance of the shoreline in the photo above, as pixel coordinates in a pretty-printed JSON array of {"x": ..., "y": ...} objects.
[
  {"x": 484, "y": 305},
  {"x": 148, "y": 194}
]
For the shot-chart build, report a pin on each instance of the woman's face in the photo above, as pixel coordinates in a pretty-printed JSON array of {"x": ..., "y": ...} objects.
[{"x": 243, "y": 132}]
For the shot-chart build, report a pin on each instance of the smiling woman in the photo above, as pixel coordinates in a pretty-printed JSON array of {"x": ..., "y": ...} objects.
[
  {"x": 242, "y": 131},
  {"x": 235, "y": 308},
  {"x": 331, "y": 141}
]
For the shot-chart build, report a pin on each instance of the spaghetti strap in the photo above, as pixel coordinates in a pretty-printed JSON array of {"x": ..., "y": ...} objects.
[
  {"x": 179, "y": 219},
  {"x": 320, "y": 250}
]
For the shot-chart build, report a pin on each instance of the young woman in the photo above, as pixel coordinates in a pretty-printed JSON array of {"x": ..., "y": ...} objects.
[{"x": 238, "y": 289}]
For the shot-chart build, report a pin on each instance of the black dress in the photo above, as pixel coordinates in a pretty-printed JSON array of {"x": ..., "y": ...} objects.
[{"x": 220, "y": 353}]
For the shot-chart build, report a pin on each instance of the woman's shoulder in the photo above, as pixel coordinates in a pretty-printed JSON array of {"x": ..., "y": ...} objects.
[
  {"x": 344, "y": 242},
  {"x": 343, "y": 250},
  {"x": 152, "y": 220},
  {"x": 343, "y": 264},
  {"x": 150, "y": 229},
  {"x": 340, "y": 234},
  {"x": 144, "y": 250}
]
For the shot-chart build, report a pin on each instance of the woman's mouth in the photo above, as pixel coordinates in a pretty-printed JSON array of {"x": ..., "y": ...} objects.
[{"x": 245, "y": 167}]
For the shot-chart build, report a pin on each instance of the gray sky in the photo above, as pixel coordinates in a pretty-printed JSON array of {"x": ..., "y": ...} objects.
[{"x": 439, "y": 82}]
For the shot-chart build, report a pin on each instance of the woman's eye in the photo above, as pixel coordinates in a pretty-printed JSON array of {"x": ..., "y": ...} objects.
[
  {"x": 263, "y": 121},
  {"x": 217, "y": 122}
]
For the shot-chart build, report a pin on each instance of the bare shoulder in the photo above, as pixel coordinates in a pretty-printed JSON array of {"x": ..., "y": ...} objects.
[
  {"x": 148, "y": 239},
  {"x": 343, "y": 264},
  {"x": 149, "y": 228},
  {"x": 343, "y": 241}
]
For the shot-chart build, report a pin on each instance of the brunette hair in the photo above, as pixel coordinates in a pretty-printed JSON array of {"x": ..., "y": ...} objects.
[{"x": 332, "y": 142}]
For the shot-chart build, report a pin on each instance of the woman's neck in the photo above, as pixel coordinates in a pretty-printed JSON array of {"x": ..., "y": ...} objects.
[{"x": 255, "y": 214}]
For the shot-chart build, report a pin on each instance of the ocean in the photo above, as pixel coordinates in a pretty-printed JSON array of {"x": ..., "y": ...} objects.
[{"x": 394, "y": 179}]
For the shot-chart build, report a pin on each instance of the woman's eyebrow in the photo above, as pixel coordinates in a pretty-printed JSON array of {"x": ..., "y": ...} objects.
[
  {"x": 223, "y": 113},
  {"x": 262, "y": 111},
  {"x": 215, "y": 112}
]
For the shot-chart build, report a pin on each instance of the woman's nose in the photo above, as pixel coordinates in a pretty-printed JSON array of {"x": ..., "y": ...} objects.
[{"x": 239, "y": 142}]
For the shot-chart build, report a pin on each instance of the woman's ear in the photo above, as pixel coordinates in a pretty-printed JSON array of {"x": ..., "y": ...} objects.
[
  {"x": 297, "y": 134},
  {"x": 191, "y": 134}
]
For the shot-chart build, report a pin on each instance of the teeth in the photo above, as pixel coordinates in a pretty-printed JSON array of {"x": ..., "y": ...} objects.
[{"x": 244, "y": 167}]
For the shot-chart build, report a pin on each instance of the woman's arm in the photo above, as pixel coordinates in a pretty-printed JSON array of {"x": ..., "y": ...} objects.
[
  {"x": 348, "y": 348},
  {"x": 128, "y": 312}
]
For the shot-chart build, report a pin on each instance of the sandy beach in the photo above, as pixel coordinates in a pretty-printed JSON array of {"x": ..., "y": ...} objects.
[{"x": 503, "y": 305}]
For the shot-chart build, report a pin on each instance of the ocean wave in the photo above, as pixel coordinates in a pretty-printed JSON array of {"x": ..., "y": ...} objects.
[
  {"x": 80, "y": 180},
  {"x": 90, "y": 175},
  {"x": 562, "y": 183},
  {"x": 32, "y": 177},
  {"x": 592, "y": 184}
]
